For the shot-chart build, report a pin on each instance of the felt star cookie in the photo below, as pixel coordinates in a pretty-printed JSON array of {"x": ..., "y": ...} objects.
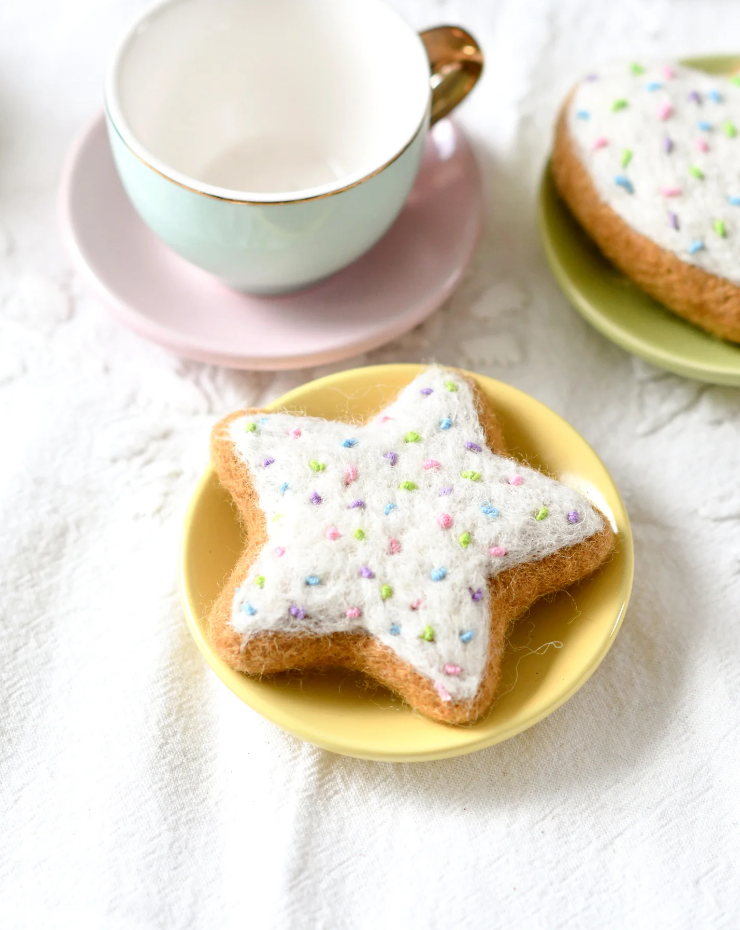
[{"x": 401, "y": 548}]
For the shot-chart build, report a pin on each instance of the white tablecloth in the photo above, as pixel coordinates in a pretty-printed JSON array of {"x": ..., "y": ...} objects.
[{"x": 136, "y": 791}]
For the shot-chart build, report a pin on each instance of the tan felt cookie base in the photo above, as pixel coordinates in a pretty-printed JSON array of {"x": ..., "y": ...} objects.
[
  {"x": 511, "y": 593},
  {"x": 705, "y": 299}
]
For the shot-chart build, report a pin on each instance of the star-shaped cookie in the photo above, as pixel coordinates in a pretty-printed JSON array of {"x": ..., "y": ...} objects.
[{"x": 401, "y": 548}]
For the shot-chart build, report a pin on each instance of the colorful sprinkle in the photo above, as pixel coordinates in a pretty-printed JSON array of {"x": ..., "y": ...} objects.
[
  {"x": 735, "y": 80},
  {"x": 673, "y": 219},
  {"x": 284, "y": 487},
  {"x": 694, "y": 96},
  {"x": 467, "y": 636},
  {"x": 353, "y": 613},
  {"x": 391, "y": 456},
  {"x": 446, "y": 423},
  {"x": 357, "y": 505},
  {"x": 395, "y": 630},
  {"x": 412, "y": 437},
  {"x": 488, "y": 509},
  {"x": 295, "y": 433},
  {"x": 444, "y": 520},
  {"x": 430, "y": 463},
  {"x": 592, "y": 77},
  {"x": 416, "y": 605},
  {"x": 332, "y": 533},
  {"x": 574, "y": 517},
  {"x": 250, "y": 428},
  {"x": 394, "y": 546},
  {"x": 600, "y": 143},
  {"x": 249, "y": 609},
  {"x": 451, "y": 669},
  {"x": 541, "y": 513},
  {"x": 516, "y": 480},
  {"x": 696, "y": 172},
  {"x": 426, "y": 391},
  {"x": 427, "y": 634},
  {"x": 298, "y": 612},
  {"x": 476, "y": 595},
  {"x": 445, "y": 492},
  {"x": 316, "y": 498},
  {"x": 451, "y": 386},
  {"x": 497, "y": 551},
  {"x": 471, "y": 475},
  {"x": 385, "y": 419},
  {"x": 734, "y": 199},
  {"x": 350, "y": 474},
  {"x": 696, "y": 246},
  {"x": 671, "y": 191},
  {"x": 316, "y": 466},
  {"x": 653, "y": 86},
  {"x": 704, "y": 125},
  {"x": 366, "y": 572},
  {"x": 279, "y": 551},
  {"x": 729, "y": 128},
  {"x": 386, "y": 591},
  {"x": 438, "y": 574},
  {"x": 665, "y": 111},
  {"x": 359, "y": 534},
  {"x": 714, "y": 95},
  {"x": 473, "y": 446},
  {"x": 702, "y": 145},
  {"x": 388, "y": 507},
  {"x": 464, "y": 540},
  {"x": 637, "y": 69},
  {"x": 583, "y": 114},
  {"x": 348, "y": 443},
  {"x": 444, "y": 694},
  {"x": 668, "y": 145},
  {"x": 720, "y": 228},
  {"x": 260, "y": 581},
  {"x": 267, "y": 462},
  {"x": 313, "y": 580},
  {"x": 667, "y": 72},
  {"x": 620, "y": 104},
  {"x": 407, "y": 486},
  {"x": 622, "y": 181},
  {"x": 626, "y": 157}
]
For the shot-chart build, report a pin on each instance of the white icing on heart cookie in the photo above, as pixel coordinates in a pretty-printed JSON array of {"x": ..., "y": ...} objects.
[
  {"x": 395, "y": 527},
  {"x": 662, "y": 147}
]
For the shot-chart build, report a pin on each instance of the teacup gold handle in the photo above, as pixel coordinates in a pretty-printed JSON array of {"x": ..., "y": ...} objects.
[{"x": 456, "y": 62}]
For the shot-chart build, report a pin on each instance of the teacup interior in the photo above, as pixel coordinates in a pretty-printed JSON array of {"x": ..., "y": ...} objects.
[{"x": 269, "y": 97}]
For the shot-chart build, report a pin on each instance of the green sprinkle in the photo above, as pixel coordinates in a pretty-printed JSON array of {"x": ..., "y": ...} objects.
[
  {"x": 541, "y": 513},
  {"x": 428, "y": 634},
  {"x": 470, "y": 475},
  {"x": 250, "y": 428},
  {"x": 626, "y": 157},
  {"x": 451, "y": 386},
  {"x": 729, "y": 128},
  {"x": 464, "y": 540},
  {"x": 637, "y": 69},
  {"x": 407, "y": 486},
  {"x": 620, "y": 104},
  {"x": 260, "y": 581},
  {"x": 359, "y": 534},
  {"x": 720, "y": 228},
  {"x": 735, "y": 80},
  {"x": 278, "y": 516},
  {"x": 696, "y": 172},
  {"x": 316, "y": 466},
  {"x": 386, "y": 591},
  {"x": 412, "y": 437}
]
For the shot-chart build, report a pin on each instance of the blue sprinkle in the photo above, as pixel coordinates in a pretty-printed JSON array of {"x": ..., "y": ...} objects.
[
  {"x": 621, "y": 181},
  {"x": 284, "y": 487},
  {"x": 388, "y": 507},
  {"x": 395, "y": 630},
  {"x": 583, "y": 114},
  {"x": 654, "y": 85},
  {"x": 446, "y": 423},
  {"x": 734, "y": 200},
  {"x": 438, "y": 574},
  {"x": 714, "y": 95},
  {"x": 705, "y": 125},
  {"x": 249, "y": 609},
  {"x": 264, "y": 419},
  {"x": 696, "y": 246},
  {"x": 467, "y": 636},
  {"x": 488, "y": 509},
  {"x": 313, "y": 579},
  {"x": 348, "y": 443}
]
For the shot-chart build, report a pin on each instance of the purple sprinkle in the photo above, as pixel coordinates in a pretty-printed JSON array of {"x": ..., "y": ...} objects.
[
  {"x": 476, "y": 595},
  {"x": 592, "y": 77},
  {"x": 473, "y": 446},
  {"x": 366, "y": 572},
  {"x": 355, "y": 504},
  {"x": 674, "y": 220},
  {"x": 574, "y": 516},
  {"x": 315, "y": 499},
  {"x": 668, "y": 145},
  {"x": 267, "y": 462},
  {"x": 298, "y": 612},
  {"x": 693, "y": 95},
  {"x": 391, "y": 456},
  {"x": 445, "y": 491},
  {"x": 426, "y": 391}
]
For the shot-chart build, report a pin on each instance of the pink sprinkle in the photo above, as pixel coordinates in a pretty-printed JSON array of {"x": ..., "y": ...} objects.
[
  {"x": 444, "y": 520},
  {"x": 416, "y": 605},
  {"x": 431, "y": 463},
  {"x": 295, "y": 433},
  {"x": 385, "y": 419},
  {"x": 279, "y": 551},
  {"x": 353, "y": 613},
  {"x": 333, "y": 533},
  {"x": 665, "y": 111},
  {"x": 497, "y": 551},
  {"x": 442, "y": 691},
  {"x": 668, "y": 72},
  {"x": 671, "y": 191},
  {"x": 451, "y": 669},
  {"x": 601, "y": 143},
  {"x": 350, "y": 474},
  {"x": 516, "y": 480},
  {"x": 702, "y": 145},
  {"x": 394, "y": 546}
]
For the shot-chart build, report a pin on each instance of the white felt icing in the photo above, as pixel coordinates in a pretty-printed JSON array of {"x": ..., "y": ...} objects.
[
  {"x": 652, "y": 171},
  {"x": 298, "y": 548}
]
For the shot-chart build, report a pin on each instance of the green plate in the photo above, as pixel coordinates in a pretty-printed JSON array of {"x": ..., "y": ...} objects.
[{"x": 615, "y": 306}]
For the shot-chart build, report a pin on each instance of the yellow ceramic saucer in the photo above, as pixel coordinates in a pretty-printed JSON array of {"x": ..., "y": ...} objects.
[
  {"x": 552, "y": 651},
  {"x": 615, "y": 306}
]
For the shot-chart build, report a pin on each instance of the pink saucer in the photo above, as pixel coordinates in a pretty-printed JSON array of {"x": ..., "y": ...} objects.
[{"x": 388, "y": 291}]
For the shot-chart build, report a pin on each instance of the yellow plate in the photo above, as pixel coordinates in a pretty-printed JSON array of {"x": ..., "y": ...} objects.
[{"x": 552, "y": 651}]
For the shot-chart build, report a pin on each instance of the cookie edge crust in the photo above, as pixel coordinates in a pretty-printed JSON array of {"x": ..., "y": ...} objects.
[
  {"x": 510, "y": 592},
  {"x": 704, "y": 299}
]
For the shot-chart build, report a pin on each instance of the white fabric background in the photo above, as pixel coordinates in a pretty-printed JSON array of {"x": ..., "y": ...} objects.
[{"x": 136, "y": 791}]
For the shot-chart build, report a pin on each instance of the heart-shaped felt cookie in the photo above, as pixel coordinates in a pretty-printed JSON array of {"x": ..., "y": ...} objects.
[{"x": 648, "y": 159}]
